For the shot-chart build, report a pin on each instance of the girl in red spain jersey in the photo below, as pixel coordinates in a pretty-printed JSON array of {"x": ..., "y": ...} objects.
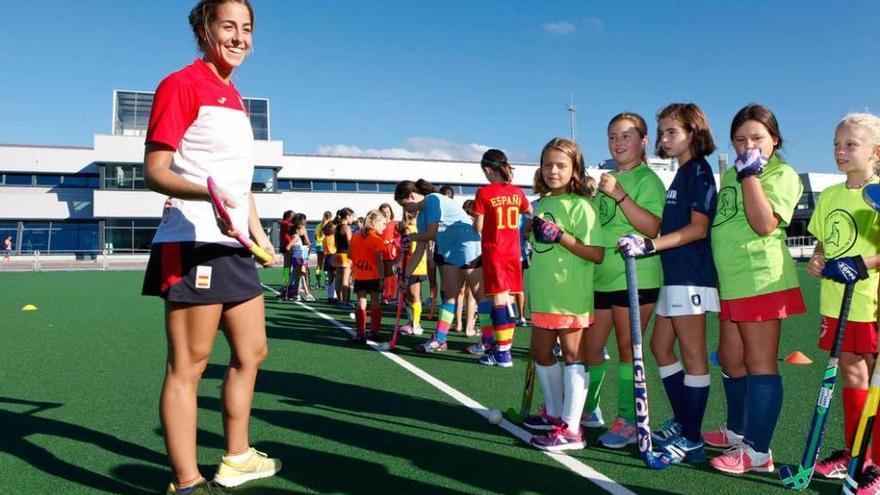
[
  {"x": 498, "y": 208},
  {"x": 198, "y": 128}
]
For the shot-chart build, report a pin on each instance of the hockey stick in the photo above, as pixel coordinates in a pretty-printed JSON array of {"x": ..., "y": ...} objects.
[
  {"x": 258, "y": 252},
  {"x": 654, "y": 460},
  {"x": 525, "y": 407},
  {"x": 797, "y": 478},
  {"x": 858, "y": 450},
  {"x": 401, "y": 302}
]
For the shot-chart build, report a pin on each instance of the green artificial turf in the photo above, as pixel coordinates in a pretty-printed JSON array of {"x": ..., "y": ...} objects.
[{"x": 82, "y": 374}]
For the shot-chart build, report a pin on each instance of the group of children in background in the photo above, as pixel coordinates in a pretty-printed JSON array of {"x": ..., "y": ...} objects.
[{"x": 699, "y": 248}]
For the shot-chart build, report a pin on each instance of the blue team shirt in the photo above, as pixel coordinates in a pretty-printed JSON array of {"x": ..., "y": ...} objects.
[
  {"x": 693, "y": 188},
  {"x": 457, "y": 241}
]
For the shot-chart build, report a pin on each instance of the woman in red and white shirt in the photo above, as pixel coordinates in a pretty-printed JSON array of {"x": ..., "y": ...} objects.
[{"x": 198, "y": 129}]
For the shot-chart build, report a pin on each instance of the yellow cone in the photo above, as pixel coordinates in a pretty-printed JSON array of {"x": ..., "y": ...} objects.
[{"x": 29, "y": 307}]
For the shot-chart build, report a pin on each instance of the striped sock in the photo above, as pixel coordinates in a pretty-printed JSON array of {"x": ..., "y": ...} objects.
[
  {"x": 504, "y": 327},
  {"x": 484, "y": 309},
  {"x": 696, "y": 396},
  {"x": 673, "y": 381},
  {"x": 416, "y": 313},
  {"x": 444, "y": 321}
]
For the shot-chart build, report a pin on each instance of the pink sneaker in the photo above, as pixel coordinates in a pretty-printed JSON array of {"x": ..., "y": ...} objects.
[
  {"x": 722, "y": 437},
  {"x": 834, "y": 466},
  {"x": 542, "y": 421},
  {"x": 870, "y": 484},
  {"x": 741, "y": 459},
  {"x": 559, "y": 438}
]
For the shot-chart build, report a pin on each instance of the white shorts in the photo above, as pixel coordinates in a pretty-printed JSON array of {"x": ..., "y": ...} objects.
[{"x": 684, "y": 300}]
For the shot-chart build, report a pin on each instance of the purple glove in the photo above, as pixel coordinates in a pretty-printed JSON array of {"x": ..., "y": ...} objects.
[
  {"x": 633, "y": 246},
  {"x": 546, "y": 231},
  {"x": 750, "y": 163}
]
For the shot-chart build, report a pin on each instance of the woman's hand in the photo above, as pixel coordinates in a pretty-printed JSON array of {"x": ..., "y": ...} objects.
[{"x": 816, "y": 265}]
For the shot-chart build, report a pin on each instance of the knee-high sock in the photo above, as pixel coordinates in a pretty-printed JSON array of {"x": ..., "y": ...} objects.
[
  {"x": 597, "y": 377},
  {"x": 444, "y": 321},
  {"x": 504, "y": 327},
  {"x": 735, "y": 391},
  {"x": 696, "y": 396},
  {"x": 416, "y": 313},
  {"x": 853, "y": 401},
  {"x": 764, "y": 403},
  {"x": 484, "y": 311},
  {"x": 626, "y": 407},
  {"x": 575, "y": 379},
  {"x": 673, "y": 381},
  {"x": 360, "y": 319},
  {"x": 551, "y": 385},
  {"x": 375, "y": 320},
  {"x": 331, "y": 290}
]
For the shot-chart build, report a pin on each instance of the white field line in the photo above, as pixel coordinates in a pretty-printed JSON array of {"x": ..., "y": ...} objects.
[{"x": 571, "y": 463}]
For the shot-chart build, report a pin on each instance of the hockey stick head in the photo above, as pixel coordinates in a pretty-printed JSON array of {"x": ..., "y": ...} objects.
[
  {"x": 385, "y": 346},
  {"x": 513, "y": 416},
  {"x": 656, "y": 461},
  {"x": 795, "y": 478}
]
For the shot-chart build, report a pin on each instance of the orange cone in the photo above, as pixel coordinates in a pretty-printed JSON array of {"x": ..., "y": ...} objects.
[{"x": 798, "y": 357}]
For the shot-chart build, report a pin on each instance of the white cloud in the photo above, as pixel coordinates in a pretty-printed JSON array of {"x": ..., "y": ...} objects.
[
  {"x": 559, "y": 28},
  {"x": 594, "y": 24},
  {"x": 415, "y": 148}
]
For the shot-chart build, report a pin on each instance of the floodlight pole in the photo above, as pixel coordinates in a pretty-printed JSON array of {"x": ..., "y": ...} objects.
[{"x": 572, "y": 110}]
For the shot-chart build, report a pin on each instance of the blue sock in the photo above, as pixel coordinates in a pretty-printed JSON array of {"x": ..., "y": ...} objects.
[
  {"x": 696, "y": 396},
  {"x": 673, "y": 382},
  {"x": 764, "y": 401},
  {"x": 735, "y": 392}
]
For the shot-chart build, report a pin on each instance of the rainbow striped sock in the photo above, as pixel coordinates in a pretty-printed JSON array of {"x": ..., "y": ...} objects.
[
  {"x": 504, "y": 327},
  {"x": 486, "y": 328},
  {"x": 444, "y": 322}
]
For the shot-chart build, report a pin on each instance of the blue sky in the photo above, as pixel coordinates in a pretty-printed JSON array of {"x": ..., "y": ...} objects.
[{"x": 436, "y": 78}]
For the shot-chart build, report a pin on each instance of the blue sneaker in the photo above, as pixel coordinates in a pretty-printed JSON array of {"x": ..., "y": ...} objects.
[
  {"x": 502, "y": 359},
  {"x": 432, "y": 345},
  {"x": 669, "y": 430},
  {"x": 680, "y": 449},
  {"x": 592, "y": 419},
  {"x": 621, "y": 434}
]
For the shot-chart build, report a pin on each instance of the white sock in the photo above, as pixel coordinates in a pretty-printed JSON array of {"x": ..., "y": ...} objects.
[
  {"x": 576, "y": 378},
  {"x": 238, "y": 458},
  {"x": 551, "y": 384},
  {"x": 670, "y": 369}
]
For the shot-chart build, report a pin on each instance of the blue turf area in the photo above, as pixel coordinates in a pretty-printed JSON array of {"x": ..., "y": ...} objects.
[{"x": 81, "y": 378}]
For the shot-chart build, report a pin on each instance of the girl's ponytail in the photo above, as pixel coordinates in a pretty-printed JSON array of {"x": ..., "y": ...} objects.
[{"x": 496, "y": 161}]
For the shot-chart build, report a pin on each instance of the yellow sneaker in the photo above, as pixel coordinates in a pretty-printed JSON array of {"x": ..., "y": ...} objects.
[{"x": 258, "y": 466}]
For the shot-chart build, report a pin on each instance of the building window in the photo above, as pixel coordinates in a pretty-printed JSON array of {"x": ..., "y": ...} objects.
[
  {"x": 342, "y": 186},
  {"x": 18, "y": 179},
  {"x": 258, "y": 113},
  {"x": 124, "y": 176},
  {"x": 129, "y": 235},
  {"x": 264, "y": 180},
  {"x": 131, "y": 112},
  {"x": 322, "y": 185}
]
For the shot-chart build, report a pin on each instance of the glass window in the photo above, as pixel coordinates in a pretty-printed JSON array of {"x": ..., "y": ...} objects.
[
  {"x": 142, "y": 239},
  {"x": 346, "y": 186},
  {"x": 469, "y": 189},
  {"x": 118, "y": 239},
  {"x": 123, "y": 176},
  {"x": 322, "y": 185},
  {"x": 151, "y": 223},
  {"x": 258, "y": 114},
  {"x": 8, "y": 229},
  {"x": 283, "y": 184},
  {"x": 264, "y": 180},
  {"x": 19, "y": 179},
  {"x": 118, "y": 222},
  {"x": 132, "y": 113},
  {"x": 367, "y": 186},
  {"x": 301, "y": 185},
  {"x": 387, "y": 187},
  {"x": 70, "y": 237},
  {"x": 35, "y": 236},
  {"x": 48, "y": 180},
  {"x": 82, "y": 181}
]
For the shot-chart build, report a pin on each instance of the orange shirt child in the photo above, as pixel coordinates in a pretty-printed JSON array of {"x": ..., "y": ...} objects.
[{"x": 366, "y": 256}]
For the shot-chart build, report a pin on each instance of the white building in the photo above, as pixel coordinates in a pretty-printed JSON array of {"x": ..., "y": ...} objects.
[{"x": 68, "y": 199}]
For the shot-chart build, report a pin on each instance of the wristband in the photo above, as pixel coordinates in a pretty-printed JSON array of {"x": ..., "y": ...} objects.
[{"x": 618, "y": 201}]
